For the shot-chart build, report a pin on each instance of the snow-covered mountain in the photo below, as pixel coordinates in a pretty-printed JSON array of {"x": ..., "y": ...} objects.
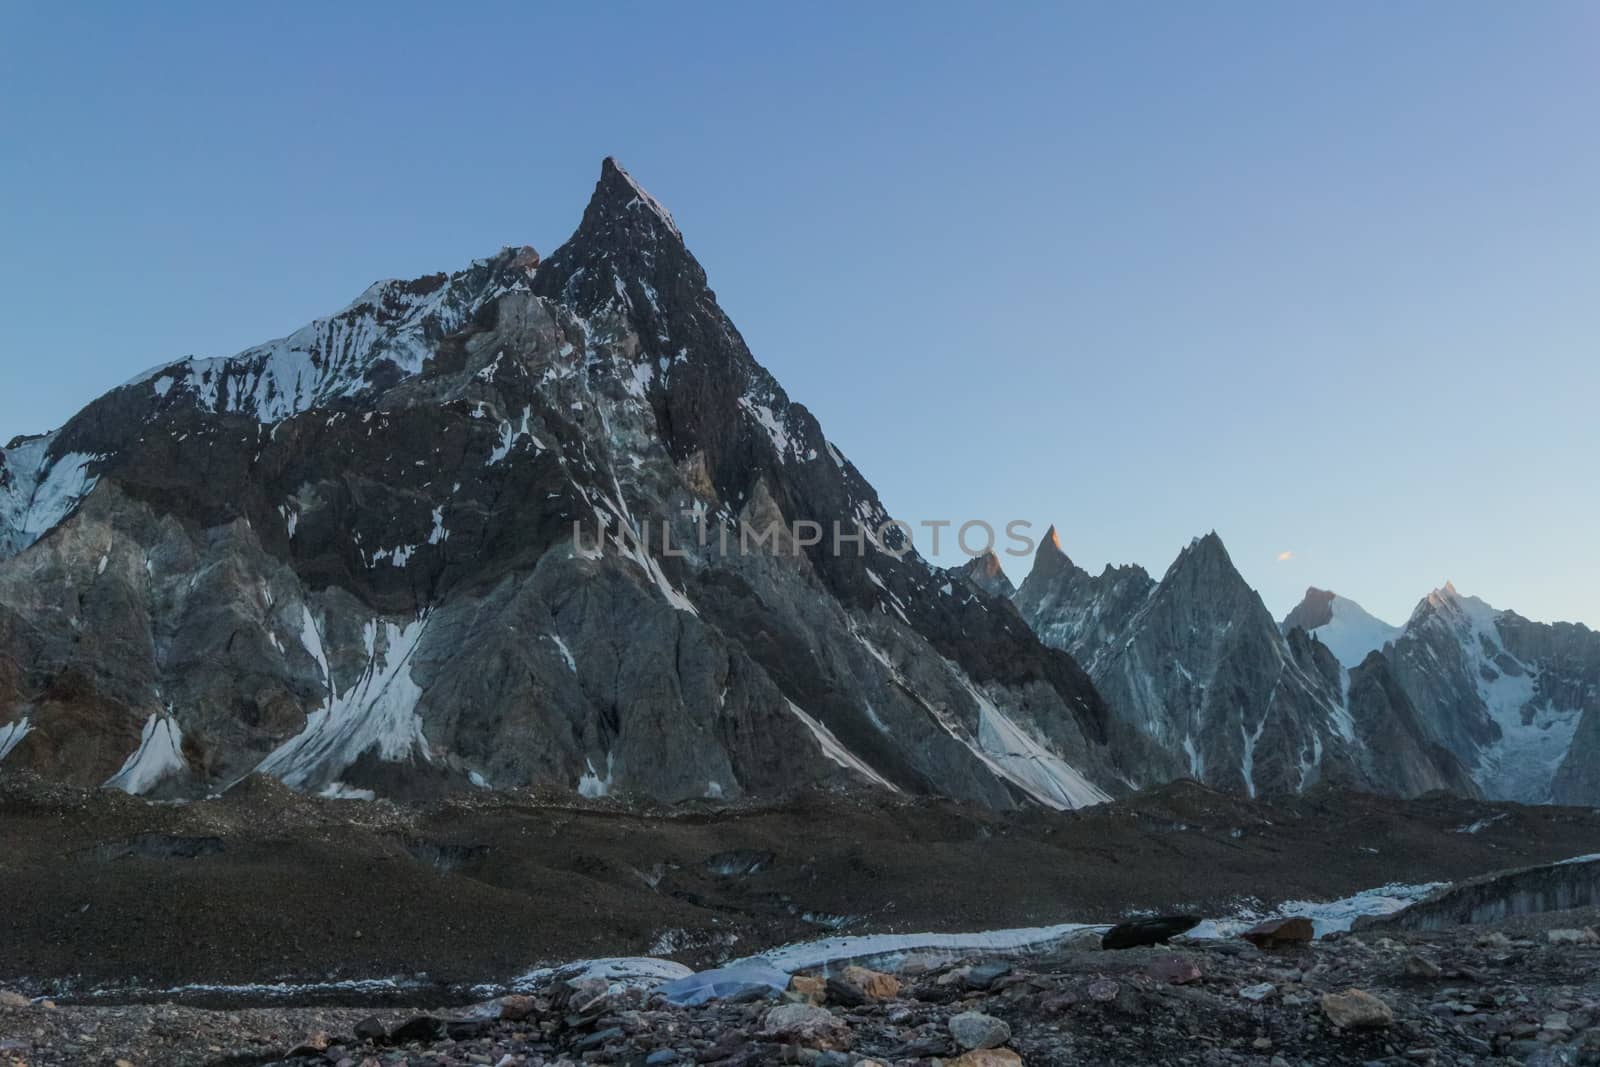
[
  {"x": 474, "y": 530},
  {"x": 489, "y": 528},
  {"x": 1349, "y": 630},
  {"x": 1196, "y": 662},
  {"x": 1517, "y": 701}
]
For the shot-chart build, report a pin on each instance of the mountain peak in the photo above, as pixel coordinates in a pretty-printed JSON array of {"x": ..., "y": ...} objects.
[
  {"x": 618, "y": 194},
  {"x": 1349, "y": 631},
  {"x": 1208, "y": 547},
  {"x": 628, "y": 254},
  {"x": 986, "y": 572},
  {"x": 1315, "y": 609},
  {"x": 1049, "y": 560}
]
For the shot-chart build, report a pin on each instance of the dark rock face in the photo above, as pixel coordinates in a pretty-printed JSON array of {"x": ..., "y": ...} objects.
[
  {"x": 1393, "y": 737},
  {"x": 1197, "y": 663},
  {"x": 1517, "y": 702},
  {"x": 986, "y": 573},
  {"x": 348, "y": 559},
  {"x": 1315, "y": 610}
]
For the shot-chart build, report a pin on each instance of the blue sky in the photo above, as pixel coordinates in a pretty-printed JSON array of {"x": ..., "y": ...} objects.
[{"x": 1323, "y": 279}]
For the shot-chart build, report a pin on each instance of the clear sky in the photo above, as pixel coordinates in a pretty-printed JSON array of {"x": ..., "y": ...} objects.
[{"x": 1325, "y": 278}]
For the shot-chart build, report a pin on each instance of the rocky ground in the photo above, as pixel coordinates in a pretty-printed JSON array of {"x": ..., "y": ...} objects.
[
  {"x": 110, "y": 903},
  {"x": 103, "y": 891},
  {"x": 1524, "y": 992}
]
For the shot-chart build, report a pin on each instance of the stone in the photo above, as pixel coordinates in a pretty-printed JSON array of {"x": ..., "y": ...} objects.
[
  {"x": 370, "y": 1029},
  {"x": 1103, "y": 990},
  {"x": 1276, "y": 933},
  {"x": 975, "y": 1030},
  {"x": 1356, "y": 1009},
  {"x": 984, "y": 975},
  {"x": 875, "y": 984},
  {"x": 9, "y": 999},
  {"x": 810, "y": 988},
  {"x": 1557, "y": 1022},
  {"x": 417, "y": 1028},
  {"x": 1057, "y": 1003},
  {"x": 1156, "y": 931},
  {"x": 986, "y": 1057},
  {"x": 806, "y": 1024},
  {"x": 599, "y": 1038},
  {"x": 1585, "y": 936},
  {"x": 515, "y": 1008},
  {"x": 1173, "y": 970},
  {"x": 1257, "y": 993},
  {"x": 1421, "y": 967},
  {"x": 312, "y": 1045},
  {"x": 845, "y": 994}
]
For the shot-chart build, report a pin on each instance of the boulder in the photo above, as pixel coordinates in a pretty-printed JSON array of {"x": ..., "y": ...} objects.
[
  {"x": 315, "y": 1044},
  {"x": 9, "y": 999},
  {"x": 875, "y": 984},
  {"x": 806, "y": 1024},
  {"x": 986, "y": 1057},
  {"x": 975, "y": 1030},
  {"x": 1103, "y": 990},
  {"x": 1356, "y": 1009},
  {"x": 515, "y": 1008},
  {"x": 809, "y": 988},
  {"x": 1585, "y": 936},
  {"x": 1276, "y": 933},
  {"x": 371, "y": 1029},
  {"x": 417, "y": 1028},
  {"x": 1148, "y": 931},
  {"x": 984, "y": 975},
  {"x": 1173, "y": 970},
  {"x": 1421, "y": 968},
  {"x": 845, "y": 994}
]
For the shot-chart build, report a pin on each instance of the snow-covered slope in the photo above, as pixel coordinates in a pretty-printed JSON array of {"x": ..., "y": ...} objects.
[
  {"x": 1348, "y": 629},
  {"x": 1505, "y": 694}
]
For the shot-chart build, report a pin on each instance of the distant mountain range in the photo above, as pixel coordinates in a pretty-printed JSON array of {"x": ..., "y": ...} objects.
[
  {"x": 473, "y": 531},
  {"x": 1462, "y": 697}
]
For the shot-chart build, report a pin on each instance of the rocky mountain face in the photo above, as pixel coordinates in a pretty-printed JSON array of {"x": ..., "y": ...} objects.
[
  {"x": 1196, "y": 662},
  {"x": 1517, "y": 701},
  {"x": 532, "y": 522},
  {"x": 986, "y": 573},
  {"x": 1348, "y": 629}
]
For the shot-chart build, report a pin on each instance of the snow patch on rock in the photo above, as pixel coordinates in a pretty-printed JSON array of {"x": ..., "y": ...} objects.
[
  {"x": 378, "y": 714},
  {"x": 11, "y": 735},
  {"x": 159, "y": 755}
]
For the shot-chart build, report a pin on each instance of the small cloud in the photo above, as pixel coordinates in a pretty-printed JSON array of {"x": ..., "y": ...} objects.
[{"x": 1282, "y": 556}]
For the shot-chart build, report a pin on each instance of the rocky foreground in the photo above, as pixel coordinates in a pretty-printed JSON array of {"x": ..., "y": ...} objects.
[
  {"x": 1524, "y": 992},
  {"x": 102, "y": 893}
]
